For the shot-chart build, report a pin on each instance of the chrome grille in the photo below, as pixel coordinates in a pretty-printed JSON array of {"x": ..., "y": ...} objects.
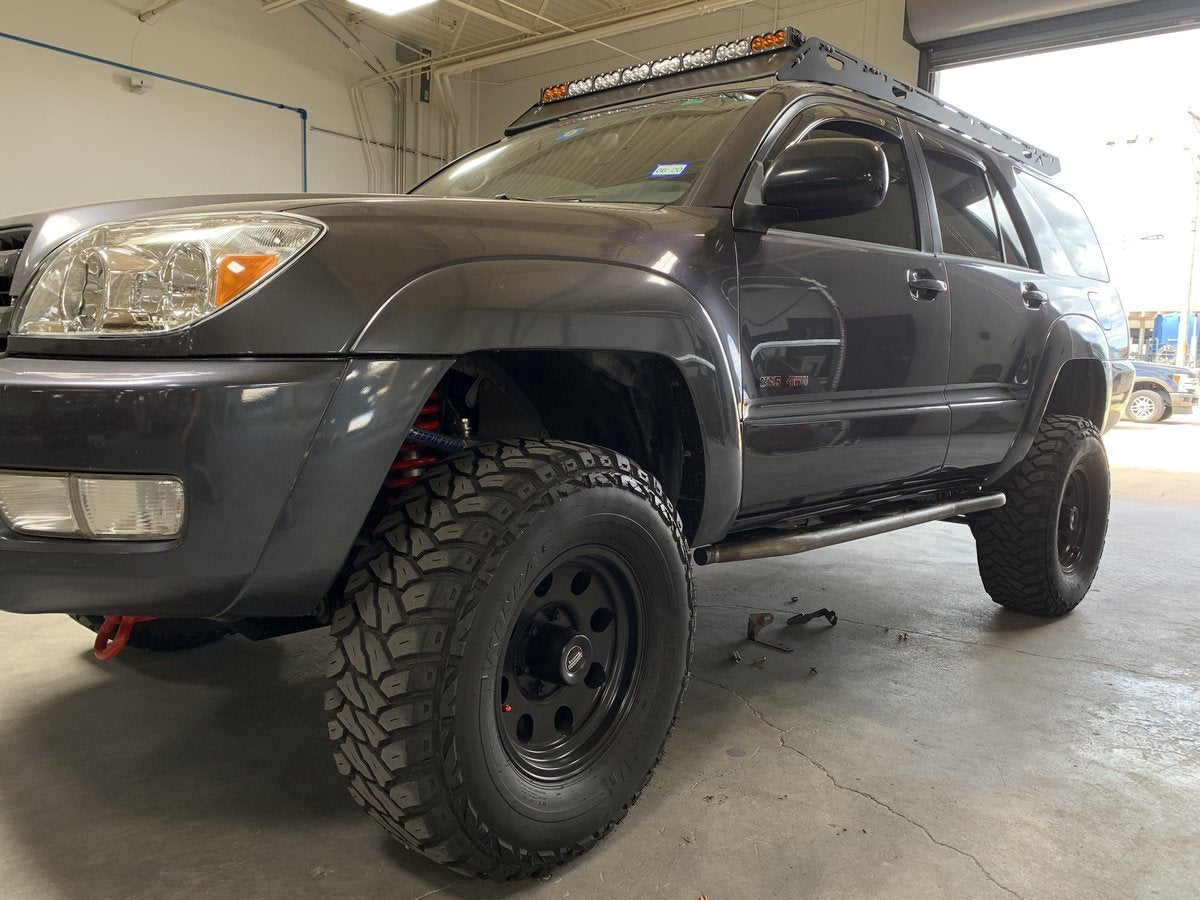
[{"x": 12, "y": 242}]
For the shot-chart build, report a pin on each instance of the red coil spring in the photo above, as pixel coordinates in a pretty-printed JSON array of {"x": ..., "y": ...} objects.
[{"x": 413, "y": 458}]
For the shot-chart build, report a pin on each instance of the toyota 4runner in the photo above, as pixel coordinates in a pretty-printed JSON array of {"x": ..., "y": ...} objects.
[{"x": 746, "y": 301}]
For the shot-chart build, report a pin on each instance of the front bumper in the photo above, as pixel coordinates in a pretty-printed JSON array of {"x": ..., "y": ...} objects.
[
  {"x": 1183, "y": 404},
  {"x": 281, "y": 460}
]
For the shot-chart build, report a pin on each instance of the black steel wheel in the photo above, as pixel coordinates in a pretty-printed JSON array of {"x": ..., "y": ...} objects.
[
  {"x": 570, "y": 664},
  {"x": 1039, "y": 553},
  {"x": 1074, "y": 520},
  {"x": 511, "y": 654}
]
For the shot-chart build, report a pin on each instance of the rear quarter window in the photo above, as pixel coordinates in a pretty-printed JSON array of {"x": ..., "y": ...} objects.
[{"x": 1065, "y": 237}]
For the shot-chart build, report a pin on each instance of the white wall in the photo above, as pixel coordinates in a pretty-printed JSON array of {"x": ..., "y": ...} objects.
[
  {"x": 74, "y": 133},
  {"x": 873, "y": 29}
]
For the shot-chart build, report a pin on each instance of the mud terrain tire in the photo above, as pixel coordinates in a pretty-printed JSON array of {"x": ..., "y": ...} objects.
[
  {"x": 1039, "y": 553},
  {"x": 450, "y": 603}
]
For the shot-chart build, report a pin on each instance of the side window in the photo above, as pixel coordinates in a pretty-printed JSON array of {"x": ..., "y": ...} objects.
[
  {"x": 1070, "y": 224},
  {"x": 894, "y": 222},
  {"x": 1014, "y": 251},
  {"x": 965, "y": 211},
  {"x": 1054, "y": 258}
]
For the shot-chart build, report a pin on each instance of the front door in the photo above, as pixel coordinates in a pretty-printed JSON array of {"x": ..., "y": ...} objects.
[{"x": 845, "y": 340}]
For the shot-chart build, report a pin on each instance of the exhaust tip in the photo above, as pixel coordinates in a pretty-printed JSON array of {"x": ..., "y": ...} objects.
[{"x": 705, "y": 556}]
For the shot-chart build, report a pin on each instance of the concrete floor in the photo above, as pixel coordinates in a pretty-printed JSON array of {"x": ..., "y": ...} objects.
[{"x": 985, "y": 755}]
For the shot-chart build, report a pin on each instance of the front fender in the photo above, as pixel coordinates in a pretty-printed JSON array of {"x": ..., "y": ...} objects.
[
  {"x": 364, "y": 423},
  {"x": 556, "y": 304}
]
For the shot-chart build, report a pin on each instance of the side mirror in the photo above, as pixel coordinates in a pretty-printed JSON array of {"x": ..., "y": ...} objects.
[{"x": 825, "y": 178}]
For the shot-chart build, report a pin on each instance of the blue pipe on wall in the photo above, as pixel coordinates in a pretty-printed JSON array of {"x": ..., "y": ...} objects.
[{"x": 303, "y": 113}]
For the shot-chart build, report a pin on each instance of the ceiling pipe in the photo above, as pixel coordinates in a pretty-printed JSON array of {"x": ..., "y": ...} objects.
[
  {"x": 151, "y": 15},
  {"x": 469, "y": 60},
  {"x": 491, "y": 17}
]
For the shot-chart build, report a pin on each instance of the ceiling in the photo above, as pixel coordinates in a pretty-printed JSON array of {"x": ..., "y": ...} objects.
[{"x": 454, "y": 26}]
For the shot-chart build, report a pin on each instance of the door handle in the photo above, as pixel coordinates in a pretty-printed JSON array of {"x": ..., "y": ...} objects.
[
  {"x": 1033, "y": 297},
  {"x": 923, "y": 286}
]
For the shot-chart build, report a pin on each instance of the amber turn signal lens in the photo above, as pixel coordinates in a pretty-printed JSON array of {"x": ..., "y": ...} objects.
[
  {"x": 768, "y": 41},
  {"x": 558, "y": 92},
  {"x": 235, "y": 274}
]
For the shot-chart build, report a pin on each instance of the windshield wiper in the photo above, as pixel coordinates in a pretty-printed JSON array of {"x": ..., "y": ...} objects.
[{"x": 538, "y": 199}]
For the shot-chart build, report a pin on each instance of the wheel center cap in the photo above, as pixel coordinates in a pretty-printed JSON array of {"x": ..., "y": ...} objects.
[
  {"x": 575, "y": 659},
  {"x": 1073, "y": 518}
]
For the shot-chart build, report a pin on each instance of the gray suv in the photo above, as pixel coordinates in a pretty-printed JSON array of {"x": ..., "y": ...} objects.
[{"x": 746, "y": 301}]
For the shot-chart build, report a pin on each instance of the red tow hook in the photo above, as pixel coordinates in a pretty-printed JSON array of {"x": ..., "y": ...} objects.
[{"x": 114, "y": 634}]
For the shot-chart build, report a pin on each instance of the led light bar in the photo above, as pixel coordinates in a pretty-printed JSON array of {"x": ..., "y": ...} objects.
[{"x": 671, "y": 65}]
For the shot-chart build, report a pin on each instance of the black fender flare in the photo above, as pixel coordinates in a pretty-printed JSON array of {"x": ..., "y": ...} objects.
[
  {"x": 557, "y": 304},
  {"x": 1071, "y": 337}
]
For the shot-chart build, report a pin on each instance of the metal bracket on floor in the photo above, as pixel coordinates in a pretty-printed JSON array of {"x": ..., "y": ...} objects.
[
  {"x": 754, "y": 627},
  {"x": 759, "y": 621},
  {"x": 828, "y": 614}
]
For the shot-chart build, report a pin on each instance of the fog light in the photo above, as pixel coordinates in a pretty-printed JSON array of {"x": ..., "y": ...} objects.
[
  {"x": 92, "y": 506},
  {"x": 38, "y": 504},
  {"x": 131, "y": 508}
]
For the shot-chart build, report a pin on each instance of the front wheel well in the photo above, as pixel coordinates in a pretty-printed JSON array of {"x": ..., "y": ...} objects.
[
  {"x": 633, "y": 402},
  {"x": 1081, "y": 390},
  {"x": 1152, "y": 386}
]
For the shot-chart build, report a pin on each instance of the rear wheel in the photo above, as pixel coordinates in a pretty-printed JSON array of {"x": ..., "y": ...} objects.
[
  {"x": 1039, "y": 553},
  {"x": 165, "y": 634},
  {"x": 1146, "y": 406},
  {"x": 511, "y": 654}
]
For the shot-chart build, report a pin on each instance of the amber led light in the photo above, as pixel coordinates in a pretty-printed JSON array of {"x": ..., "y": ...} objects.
[{"x": 680, "y": 62}]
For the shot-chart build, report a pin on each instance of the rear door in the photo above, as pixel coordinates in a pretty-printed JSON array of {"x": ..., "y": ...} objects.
[
  {"x": 998, "y": 320},
  {"x": 845, "y": 338}
]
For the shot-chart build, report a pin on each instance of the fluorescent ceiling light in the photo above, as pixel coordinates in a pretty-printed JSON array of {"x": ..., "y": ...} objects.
[{"x": 391, "y": 7}]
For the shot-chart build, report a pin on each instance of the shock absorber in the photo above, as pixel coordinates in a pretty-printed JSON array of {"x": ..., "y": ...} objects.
[{"x": 413, "y": 458}]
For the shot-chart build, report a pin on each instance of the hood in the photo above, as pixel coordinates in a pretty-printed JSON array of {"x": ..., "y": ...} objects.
[
  {"x": 375, "y": 245},
  {"x": 1161, "y": 370}
]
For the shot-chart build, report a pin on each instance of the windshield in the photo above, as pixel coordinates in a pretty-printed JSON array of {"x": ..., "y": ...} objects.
[{"x": 644, "y": 154}]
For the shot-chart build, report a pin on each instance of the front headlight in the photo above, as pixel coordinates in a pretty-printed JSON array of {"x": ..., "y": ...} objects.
[{"x": 159, "y": 275}]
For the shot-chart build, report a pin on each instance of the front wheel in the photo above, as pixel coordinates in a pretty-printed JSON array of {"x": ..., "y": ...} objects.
[
  {"x": 511, "y": 654},
  {"x": 1146, "y": 406},
  {"x": 1039, "y": 553}
]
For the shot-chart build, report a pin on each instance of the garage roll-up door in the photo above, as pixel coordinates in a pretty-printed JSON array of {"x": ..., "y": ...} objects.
[
  {"x": 952, "y": 32},
  {"x": 936, "y": 20}
]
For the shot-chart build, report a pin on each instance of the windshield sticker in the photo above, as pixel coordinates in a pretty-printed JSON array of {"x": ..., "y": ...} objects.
[
  {"x": 669, "y": 170},
  {"x": 569, "y": 134}
]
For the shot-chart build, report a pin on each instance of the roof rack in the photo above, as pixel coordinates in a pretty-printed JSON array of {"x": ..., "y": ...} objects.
[
  {"x": 787, "y": 55},
  {"x": 704, "y": 69},
  {"x": 819, "y": 62}
]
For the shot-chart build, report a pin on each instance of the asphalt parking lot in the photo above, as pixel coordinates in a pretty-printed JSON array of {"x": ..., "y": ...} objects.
[{"x": 929, "y": 745}]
